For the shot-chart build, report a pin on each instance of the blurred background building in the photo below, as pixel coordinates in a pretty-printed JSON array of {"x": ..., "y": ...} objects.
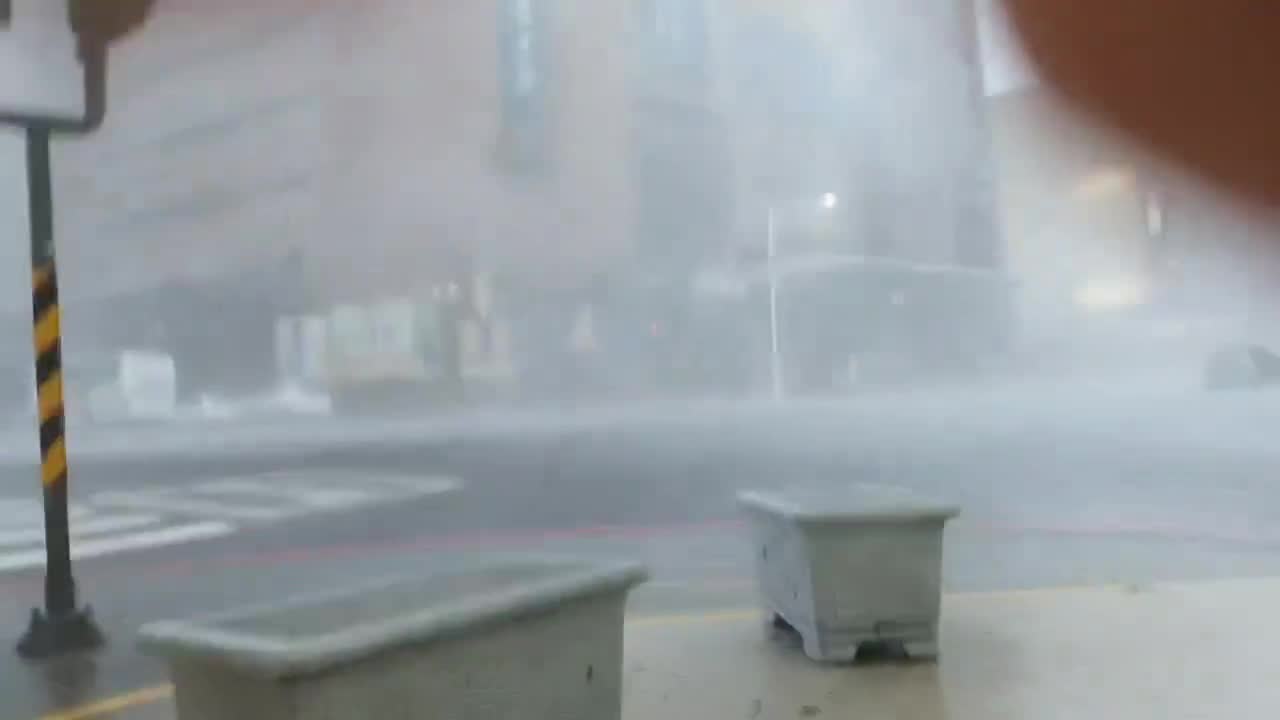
[{"x": 502, "y": 188}]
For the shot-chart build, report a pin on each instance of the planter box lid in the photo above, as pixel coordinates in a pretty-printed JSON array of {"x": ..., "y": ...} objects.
[
  {"x": 862, "y": 502},
  {"x": 318, "y": 632}
]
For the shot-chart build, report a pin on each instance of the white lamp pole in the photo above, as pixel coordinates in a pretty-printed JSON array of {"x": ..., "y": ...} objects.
[
  {"x": 775, "y": 354},
  {"x": 827, "y": 201}
]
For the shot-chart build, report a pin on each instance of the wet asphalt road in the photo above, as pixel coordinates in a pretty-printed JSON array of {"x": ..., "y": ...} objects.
[{"x": 1103, "y": 482}]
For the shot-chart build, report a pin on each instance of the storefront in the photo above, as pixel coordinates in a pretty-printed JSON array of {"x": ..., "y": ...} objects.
[{"x": 219, "y": 331}]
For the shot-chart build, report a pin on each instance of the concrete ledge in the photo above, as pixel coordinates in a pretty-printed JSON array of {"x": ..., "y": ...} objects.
[
  {"x": 532, "y": 637},
  {"x": 1202, "y": 650}
]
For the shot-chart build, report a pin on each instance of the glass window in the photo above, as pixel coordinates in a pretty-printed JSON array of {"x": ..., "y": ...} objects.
[
  {"x": 524, "y": 68},
  {"x": 673, "y": 32}
]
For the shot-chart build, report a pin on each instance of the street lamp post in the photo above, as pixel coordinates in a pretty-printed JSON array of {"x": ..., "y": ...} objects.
[{"x": 775, "y": 351}]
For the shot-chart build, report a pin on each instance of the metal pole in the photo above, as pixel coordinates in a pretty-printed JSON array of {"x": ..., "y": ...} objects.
[
  {"x": 775, "y": 352},
  {"x": 61, "y": 627}
]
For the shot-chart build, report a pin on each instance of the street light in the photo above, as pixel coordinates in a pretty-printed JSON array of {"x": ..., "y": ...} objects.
[
  {"x": 827, "y": 201},
  {"x": 61, "y": 626}
]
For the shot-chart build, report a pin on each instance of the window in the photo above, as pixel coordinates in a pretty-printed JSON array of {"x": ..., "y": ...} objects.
[
  {"x": 525, "y": 64},
  {"x": 673, "y": 33},
  {"x": 789, "y": 70}
]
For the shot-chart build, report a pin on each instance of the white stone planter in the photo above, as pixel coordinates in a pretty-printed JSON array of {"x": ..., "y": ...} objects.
[
  {"x": 531, "y": 639},
  {"x": 851, "y": 566}
]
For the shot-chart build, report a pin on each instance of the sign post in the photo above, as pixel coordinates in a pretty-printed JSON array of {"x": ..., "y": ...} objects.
[{"x": 62, "y": 626}]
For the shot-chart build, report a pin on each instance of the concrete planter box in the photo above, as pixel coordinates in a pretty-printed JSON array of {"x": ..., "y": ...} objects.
[
  {"x": 514, "y": 639},
  {"x": 851, "y": 566}
]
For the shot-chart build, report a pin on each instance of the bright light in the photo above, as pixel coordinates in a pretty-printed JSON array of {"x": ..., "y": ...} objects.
[
  {"x": 830, "y": 200},
  {"x": 1105, "y": 183},
  {"x": 1113, "y": 295}
]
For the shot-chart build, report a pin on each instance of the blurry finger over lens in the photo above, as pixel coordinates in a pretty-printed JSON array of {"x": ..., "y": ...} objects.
[{"x": 1191, "y": 80}]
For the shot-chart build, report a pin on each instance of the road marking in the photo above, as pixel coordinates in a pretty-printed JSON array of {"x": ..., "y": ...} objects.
[
  {"x": 148, "y": 517},
  {"x": 383, "y": 486},
  {"x": 278, "y": 495},
  {"x": 114, "y": 704},
  {"x": 308, "y": 497},
  {"x": 175, "y": 502},
  {"x": 175, "y": 535},
  {"x": 24, "y": 514},
  {"x": 419, "y": 484},
  {"x": 34, "y": 534}
]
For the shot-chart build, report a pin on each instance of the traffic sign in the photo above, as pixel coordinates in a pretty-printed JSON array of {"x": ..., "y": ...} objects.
[
  {"x": 53, "y": 60},
  {"x": 40, "y": 74}
]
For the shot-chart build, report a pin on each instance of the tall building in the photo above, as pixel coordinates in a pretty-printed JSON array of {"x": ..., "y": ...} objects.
[
  {"x": 681, "y": 158},
  {"x": 287, "y": 157}
]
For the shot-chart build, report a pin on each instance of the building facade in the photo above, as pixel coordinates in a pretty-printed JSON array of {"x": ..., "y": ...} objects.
[{"x": 286, "y": 158}]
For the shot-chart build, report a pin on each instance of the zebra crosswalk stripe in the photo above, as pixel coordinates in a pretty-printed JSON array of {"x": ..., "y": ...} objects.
[
  {"x": 172, "y": 535},
  {"x": 80, "y": 527},
  {"x": 24, "y": 514},
  {"x": 176, "y": 503},
  {"x": 381, "y": 483},
  {"x": 303, "y": 497},
  {"x": 109, "y": 522}
]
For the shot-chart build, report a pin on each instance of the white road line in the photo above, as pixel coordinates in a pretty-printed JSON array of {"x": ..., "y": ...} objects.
[
  {"x": 214, "y": 508},
  {"x": 355, "y": 477},
  {"x": 329, "y": 490},
  {"x": 79, "y": 528},
  {"x": 26, "y": 514},
  {"x": 295, "y": 493},
  {"x": 395, "y": 484},
  {"x": 175, "y": 535},
  {"x": 171, "y": 502},
  {"x": 419, "y": 484}
]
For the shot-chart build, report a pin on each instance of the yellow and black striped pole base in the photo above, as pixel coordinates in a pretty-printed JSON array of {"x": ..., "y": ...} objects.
[
  {"x": 48, "y": 349},
  {"x": 61, "y": 627}
]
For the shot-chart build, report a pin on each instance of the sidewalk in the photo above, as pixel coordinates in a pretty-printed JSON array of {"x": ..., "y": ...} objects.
[
  {"x": 1203, "y": 651},
  {"x": 1175, "y": 651}
]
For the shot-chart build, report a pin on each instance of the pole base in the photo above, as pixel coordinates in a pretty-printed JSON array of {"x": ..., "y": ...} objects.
[{"x": 50, "y": 636}]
